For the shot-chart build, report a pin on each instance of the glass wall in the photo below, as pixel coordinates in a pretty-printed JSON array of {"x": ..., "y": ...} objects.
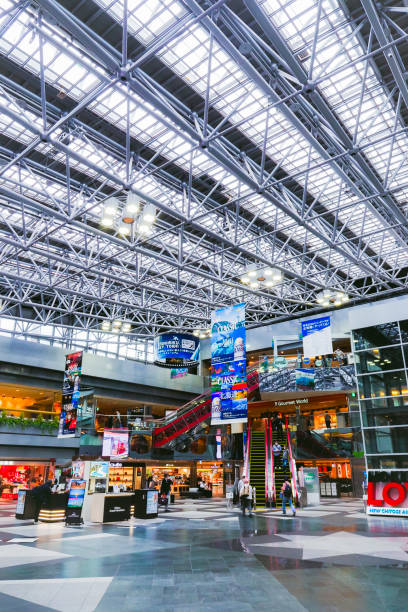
[{"x": 381, "y": 358}]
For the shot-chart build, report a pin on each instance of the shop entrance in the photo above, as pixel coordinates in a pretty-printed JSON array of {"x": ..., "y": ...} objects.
[
  {"x": 332, "y": 472},
  {"x": 15, "y": 475},
  {"x": 212, "y": 474}
]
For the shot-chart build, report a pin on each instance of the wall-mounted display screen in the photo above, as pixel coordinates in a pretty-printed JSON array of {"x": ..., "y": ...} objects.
[
  {"x": 99, "y": 469},
  {"x": 172, "y": 350}
]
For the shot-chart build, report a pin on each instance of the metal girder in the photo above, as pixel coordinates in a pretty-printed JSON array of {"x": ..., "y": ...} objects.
[{"x": 354, "y": 156}]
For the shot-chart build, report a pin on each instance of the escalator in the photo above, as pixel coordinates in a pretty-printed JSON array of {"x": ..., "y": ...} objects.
[
  {"x": 194, "y": 412},
  {"x": 280, "y": 474},
  {"x": 257, "y": 466}
]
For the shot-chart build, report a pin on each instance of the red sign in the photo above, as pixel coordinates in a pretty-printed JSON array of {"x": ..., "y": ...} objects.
[{"x": 387, "y": 498}]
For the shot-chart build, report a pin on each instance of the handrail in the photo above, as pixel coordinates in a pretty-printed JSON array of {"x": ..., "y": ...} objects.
[
  {"x": 272, "y": 466},
  {"x": 266, "y": 462},
  {"x": 246, "y": 468},
  {"x": 291, "y": 457}
]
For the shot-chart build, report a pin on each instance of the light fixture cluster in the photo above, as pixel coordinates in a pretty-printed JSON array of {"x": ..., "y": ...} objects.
[
  {"x": 263, "y": 277},
  {"x": 117, "y": 326},
  {"x": 122, "y": 217},
  {"x": 202, "y": 333},
  {"x": 331, "y": 297}
]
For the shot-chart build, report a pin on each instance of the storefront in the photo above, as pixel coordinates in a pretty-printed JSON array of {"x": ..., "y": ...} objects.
[
  {"x": 212, "y": 474},
  {"x": 16, "y": 475},
  {"x": 179, "y": 473},
  {"x": 332, "y": 472}
]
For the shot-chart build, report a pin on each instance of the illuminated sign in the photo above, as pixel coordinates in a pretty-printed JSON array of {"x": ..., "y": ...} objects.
[{"x": 387, "y": 498}]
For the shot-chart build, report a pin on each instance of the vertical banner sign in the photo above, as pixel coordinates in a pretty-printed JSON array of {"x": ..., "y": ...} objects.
[
  {"x": 70, "y": 395},
  {"x": 317, "y": 339},
  {"x": 228, "y": 366}
]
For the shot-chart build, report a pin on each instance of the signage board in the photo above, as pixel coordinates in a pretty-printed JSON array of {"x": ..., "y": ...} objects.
[
  {"x": 229, "y": 389},
  {"x": 178, "y": 372},
  {"x": 21, "y": 499},
  {"x": 78, "y": 468},
  {"x": 99, "y": 469},
  {"x": 152, "y": 501},
  {"x": 76, "y": 493},
  {"x": 305, "y": 379},
  {"x": 311, "y": 480},
  {"x": 115, "y": 443},
  {"x": 69, "y": 415},
  {"x": 173, "y": 350},
  {"x": 387, "y": 498},
  {"x": 317, "y": 338}
]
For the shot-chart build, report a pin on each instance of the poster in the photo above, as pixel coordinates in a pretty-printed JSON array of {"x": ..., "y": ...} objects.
[
  {"x": 115, "y": 443},
  {"x": 178, "y": 372},
  {"x": 76, "y": 493},
  {"x": 68, "y": 416},
  {"x": 99, "y": 469},
  {"x": 78, "y": 469},
  {"x": 72, "y": 373},
  {"x": 317, "y": 339},
  {"x": 21, "y": 499},
  {"x": 305, "y": 379},
  {"x": 228, "y": 366},
  {"x": 152, "y": 502}
]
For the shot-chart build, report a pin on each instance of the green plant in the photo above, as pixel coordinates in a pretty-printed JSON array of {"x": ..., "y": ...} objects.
[{"x": 39, "y": 422}]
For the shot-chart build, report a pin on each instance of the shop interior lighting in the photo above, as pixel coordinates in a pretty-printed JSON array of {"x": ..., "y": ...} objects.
[
  {"x": 330, "y": 297},
  {"x": 265, "y": 278},
  {"x": 202, "y": 333}
]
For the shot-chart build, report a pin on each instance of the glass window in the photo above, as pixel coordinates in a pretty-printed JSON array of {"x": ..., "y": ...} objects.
[
  {"x": 377, "y": 335},
  {"x": 386, "y": 440},
  {"x": 387, "y": 462},
  {"x": 376, "y": 360},
  {"x": 404, "y": 330},
  {"x": 387, "y": 411},
  {"x": 382, "y": 384}
]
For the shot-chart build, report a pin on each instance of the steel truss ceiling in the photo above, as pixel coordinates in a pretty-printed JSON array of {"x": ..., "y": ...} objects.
[{"x": 266, "y": 132}]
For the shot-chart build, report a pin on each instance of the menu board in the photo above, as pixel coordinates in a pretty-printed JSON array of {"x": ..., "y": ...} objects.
[
  {"x": 115, "y": 443},
  {"x": 152, "y": 502},
  {"x": 76, "y": 493}
]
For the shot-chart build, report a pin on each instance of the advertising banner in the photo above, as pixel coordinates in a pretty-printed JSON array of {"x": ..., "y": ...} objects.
[
  {"x": 76, "y": 494},
  {"x": 69, "y": 414},
  {"x": 152, "y": 502},
  {"x": 115, "y": 443},
  {"x": 305, "y": 379},
  {"x": 388, "y": 498},
  {"x": 317, "y": 339},
  {"x": 173, "y": 350},
  {"x": 178, "y": 372},
  {"x": 228, "y": 366},
  {"x": 99, "y": 469},
  {"x": 72, "y": 373}
]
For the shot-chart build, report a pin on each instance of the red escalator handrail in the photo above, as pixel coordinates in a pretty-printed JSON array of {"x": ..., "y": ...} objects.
[
  {"x": 291, "y": 457},
  {"x": 272, "y": 466}
]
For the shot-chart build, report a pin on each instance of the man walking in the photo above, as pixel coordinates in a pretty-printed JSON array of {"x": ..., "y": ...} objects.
[
  {"x": 286, "y": 494},
  {"x": 165, "y": 488},
  {"x": 40, "y": 495},
  {"x": 246, "y": 495},
  {"x": 276, "y": 450}
]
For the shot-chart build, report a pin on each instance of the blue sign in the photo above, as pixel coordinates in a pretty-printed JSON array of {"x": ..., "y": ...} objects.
[
  {"x": 315, "y": 325},
  {"x": 317, "y": 338},
  {"x": 177, "y": 349},
  {"x": 228, "y": 366}
]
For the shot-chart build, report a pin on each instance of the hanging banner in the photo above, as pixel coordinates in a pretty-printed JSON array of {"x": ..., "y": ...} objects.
[
  {"x": 317, "y": 339},
  {"x": 178, "y": 372},
  {"x": 176, "y": 350},
  {"x": 72, "y": 373},
  {"x": 228, "y": 366},
  {"x": 69, "y": 415}
]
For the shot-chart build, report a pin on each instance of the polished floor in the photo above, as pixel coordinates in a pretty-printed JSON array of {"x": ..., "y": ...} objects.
[{"x": 204, "y": 556}]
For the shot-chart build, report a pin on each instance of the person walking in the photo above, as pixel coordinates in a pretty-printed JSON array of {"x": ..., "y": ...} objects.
[
  {"x": 327, "y": 419},
  {"x": 165, "y": 488},
  {"x": 246, "y": 495},
  {"x": 286, "y": 494},
  {"x": 40, "y": 495},
  {"x": 285, "y": 457},
  {"x": 276, "y": 450},
  {"x": 279, "y": 425}
]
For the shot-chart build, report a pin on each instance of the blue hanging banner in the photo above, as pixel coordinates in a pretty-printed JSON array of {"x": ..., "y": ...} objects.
[{"x": 228, "y": 366}]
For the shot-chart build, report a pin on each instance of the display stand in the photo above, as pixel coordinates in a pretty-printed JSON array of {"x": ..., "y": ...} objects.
[
  {"x": 146, "y": 503},
  {"x": 75, "y": 503},
  {"x": 25, "y": 508}
]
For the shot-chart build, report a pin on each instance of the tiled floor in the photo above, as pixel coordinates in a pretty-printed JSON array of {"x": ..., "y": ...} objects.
[{"x": 204, "y": 556}]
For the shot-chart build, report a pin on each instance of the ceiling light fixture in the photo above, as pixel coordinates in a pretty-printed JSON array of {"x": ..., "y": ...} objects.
[
  {"x": 264, "y": 278},
  {"x": 122, "y": 216},
  {"x": 117, "y": 326},
  {"x": 331, "y": 297}
]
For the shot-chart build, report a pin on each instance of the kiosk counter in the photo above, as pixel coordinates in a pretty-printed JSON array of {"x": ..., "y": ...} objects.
[
  {"x": 110, "y": 507},
  {"x": 52, "y": 510}
]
